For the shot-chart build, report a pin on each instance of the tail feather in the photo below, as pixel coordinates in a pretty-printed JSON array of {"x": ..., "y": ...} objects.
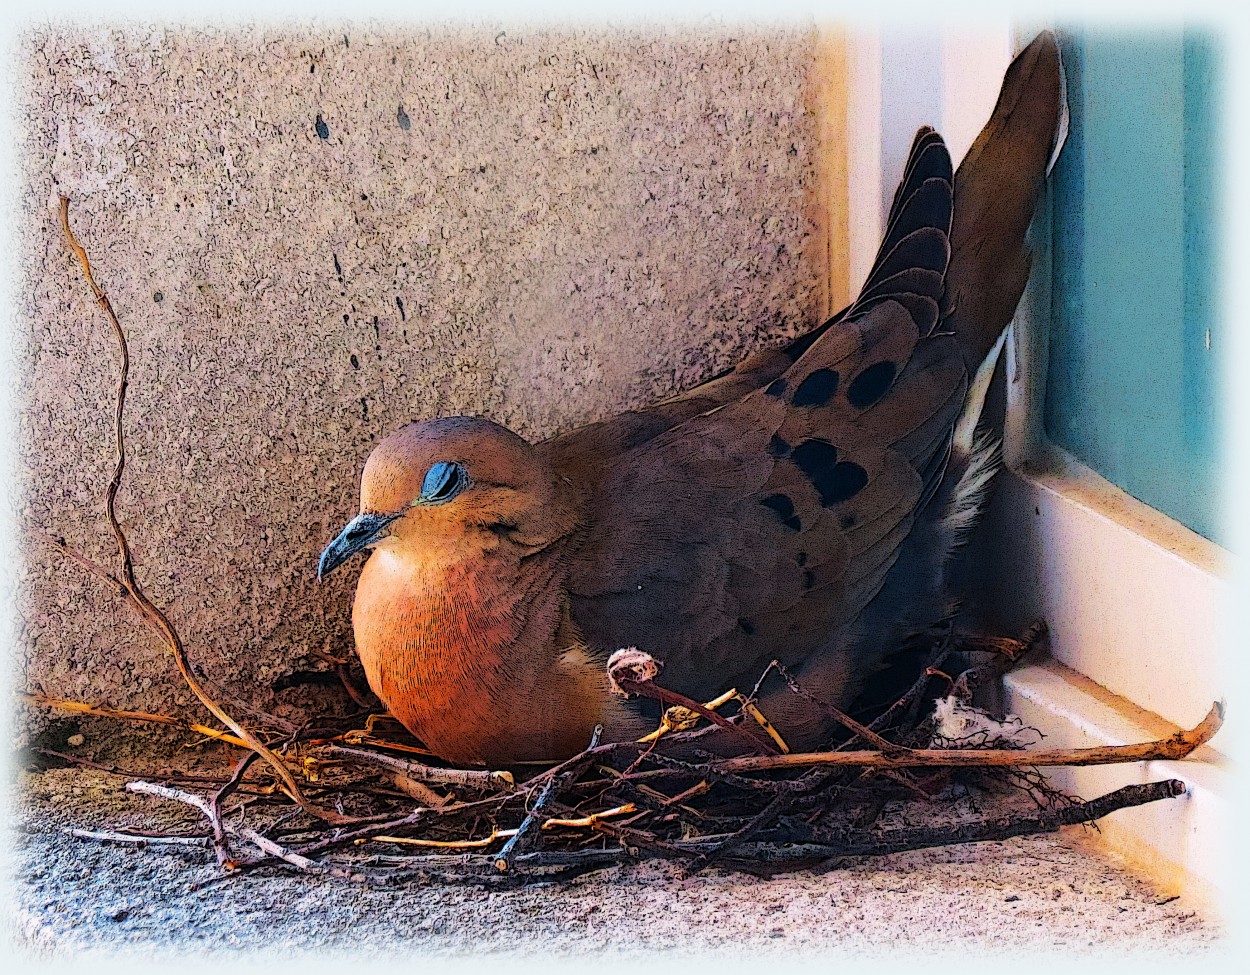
[{"x": 997, "y": 187}]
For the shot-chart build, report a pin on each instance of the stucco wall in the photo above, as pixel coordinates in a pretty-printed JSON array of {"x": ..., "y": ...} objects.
[{"x": 313, "y": 238}]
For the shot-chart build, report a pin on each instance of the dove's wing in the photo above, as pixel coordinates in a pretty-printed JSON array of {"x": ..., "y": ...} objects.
[
  {"x": 757, "y": 527},
  {"x": 996, "y": 188},
  {"x": 756, "y": 515}
]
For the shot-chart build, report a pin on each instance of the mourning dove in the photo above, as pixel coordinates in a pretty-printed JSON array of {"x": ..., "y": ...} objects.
[{"x": 801, "y": 507}]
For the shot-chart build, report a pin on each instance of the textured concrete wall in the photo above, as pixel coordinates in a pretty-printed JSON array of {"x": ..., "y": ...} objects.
[{"x": 313, "y": 238}]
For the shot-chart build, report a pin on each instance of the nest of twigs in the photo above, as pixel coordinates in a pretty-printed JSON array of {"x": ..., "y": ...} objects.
[
  {"x": 374, "y": 806},
  {"x": 355, "y": 797}
]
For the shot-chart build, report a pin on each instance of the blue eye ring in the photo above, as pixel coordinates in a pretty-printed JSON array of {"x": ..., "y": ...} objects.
[{"x": 443, "y": 481}]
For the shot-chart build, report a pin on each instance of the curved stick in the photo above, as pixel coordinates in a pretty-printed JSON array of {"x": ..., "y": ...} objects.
[{"x": 155, "y": 619}]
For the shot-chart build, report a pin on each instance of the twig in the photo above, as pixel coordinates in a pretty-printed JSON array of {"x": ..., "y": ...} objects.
[
  {"x": 866, "y": 843},
  {"x": 1168, "y": 749},
  {"x": 861, "y": 731},
  {"x": 415, "y": 789},
  {"x": 803, "y": 846},
  {"x": 220, "y": 845},
  {"x": 589, "y": 757},
  {"x": 504, "y": 862},
  {"x": 81, "y": 707},
  {"x": 496, "y": 781},
  {"x": 270, "y": 720},
  {"x": 349, "y": 685},
  {"x": 1012, "y": 648},
  {"x": 707, "y": 771},
  {"x": 524, "y": 863},
  {"x": 165, "y": 777},
  {"x": 786, "y": 847},
  {"x": 909, "y": 703},
  {"x": 153, "y": 616},
  {"x": 365, "y": 832},
  {"x": 177, "y": 795},
  {"x": 302, "y": 863},
  {"x": 494, "y": 837},
  {"x": 95, "y": 568},
  {"x": 764, "y": 818},
  {"x": 138, "y": 839},
  {"x": 647, "y": 688},
  {"x": 1007, "y": 654}
]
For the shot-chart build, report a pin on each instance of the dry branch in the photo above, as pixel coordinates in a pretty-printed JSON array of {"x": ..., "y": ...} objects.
[
  {"x": 494, "y": 781},
  {"x": 533, "y": 818},
  {"x": 750, "y": 814},
  {"x": 1169, "y": 749},
  {"x": 137, "y": 839},
  {"x": 81, "y": 707}
]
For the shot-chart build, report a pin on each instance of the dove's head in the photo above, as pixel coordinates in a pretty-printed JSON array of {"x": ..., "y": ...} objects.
[{"x": 451, "y": 488}]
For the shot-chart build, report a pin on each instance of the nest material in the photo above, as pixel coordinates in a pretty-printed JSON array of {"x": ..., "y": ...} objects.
[{"x": 401, "y": 816}]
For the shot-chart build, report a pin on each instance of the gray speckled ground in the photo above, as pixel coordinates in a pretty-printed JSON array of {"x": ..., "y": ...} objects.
[{"x": 76, "y": 900}]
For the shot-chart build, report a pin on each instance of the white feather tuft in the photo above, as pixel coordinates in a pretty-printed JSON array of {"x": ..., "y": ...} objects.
[
  {"x": 958, "y": 724},
  {"x": 978, "y": 389},
  {"x": 964, "y": 509}
]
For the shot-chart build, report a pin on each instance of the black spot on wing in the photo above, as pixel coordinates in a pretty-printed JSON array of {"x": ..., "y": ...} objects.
[
  {"x": 784, "y": 507},
  {"x": 871, "y": 384},
  {"x": 817, "y": 389},
  {"x": 746, "y": 625},
  {"x": 847, "y": 481},
  {"x": 833, "y": 480},
  {"x": 775, "y": 388}
]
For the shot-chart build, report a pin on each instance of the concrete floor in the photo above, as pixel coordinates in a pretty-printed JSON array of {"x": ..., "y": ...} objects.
[{"x": 76, "y": 901}]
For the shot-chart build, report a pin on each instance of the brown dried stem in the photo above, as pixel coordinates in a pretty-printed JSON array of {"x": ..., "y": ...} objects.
[
  {"x": 95, "y": 568},
  {"x": 1168, "y": 749},
  {"x": 647, "y": 688},
  {"x": 81, "y": 707},
  {"x": 847, "y": 722},
  {"x": 155, "y": 619},
  {"x": 472, "y": 778}
]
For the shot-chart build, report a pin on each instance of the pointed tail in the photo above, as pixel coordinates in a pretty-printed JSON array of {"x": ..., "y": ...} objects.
[{"x": 997, "y": 187}]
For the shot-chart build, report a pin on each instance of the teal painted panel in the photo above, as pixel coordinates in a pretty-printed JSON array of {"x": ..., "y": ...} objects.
[
  {"x": 1131, "y": 387},
  {"x": 1204, "y": 338}
]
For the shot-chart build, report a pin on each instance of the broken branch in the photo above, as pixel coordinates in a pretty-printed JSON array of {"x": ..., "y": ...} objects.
[{"x": 1168, "y": 749}]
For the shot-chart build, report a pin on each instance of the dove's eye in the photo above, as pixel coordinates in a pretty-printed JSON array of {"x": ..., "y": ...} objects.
[{"x": 442, "y": 482}]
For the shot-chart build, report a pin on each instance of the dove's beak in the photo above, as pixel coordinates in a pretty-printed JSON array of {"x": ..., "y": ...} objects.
[{"x": 361, "y": 532}]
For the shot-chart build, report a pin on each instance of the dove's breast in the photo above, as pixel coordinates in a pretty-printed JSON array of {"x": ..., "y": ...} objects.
[{"x": 444, "y": 645}]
